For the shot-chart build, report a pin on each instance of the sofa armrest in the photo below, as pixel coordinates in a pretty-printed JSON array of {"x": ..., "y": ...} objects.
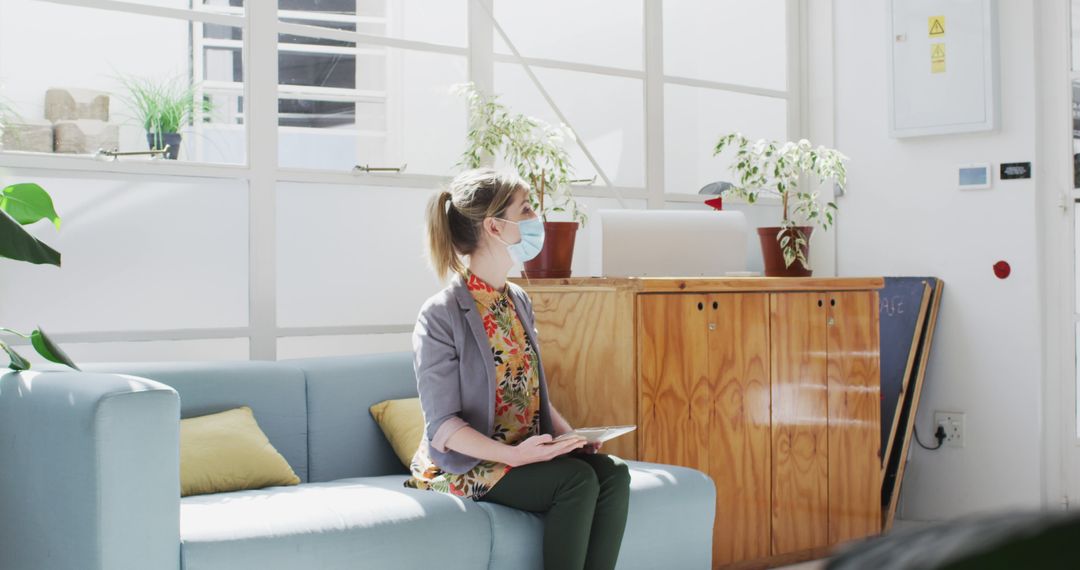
[
  {"x": 89, "y": 471},
  {"x": 670, "y": 524}
]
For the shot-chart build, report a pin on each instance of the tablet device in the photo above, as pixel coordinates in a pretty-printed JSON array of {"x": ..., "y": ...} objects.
[{"x": 597, "y": 434}]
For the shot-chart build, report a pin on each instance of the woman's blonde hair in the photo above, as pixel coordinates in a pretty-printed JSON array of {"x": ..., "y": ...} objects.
[{"x": 455, "y": 231}]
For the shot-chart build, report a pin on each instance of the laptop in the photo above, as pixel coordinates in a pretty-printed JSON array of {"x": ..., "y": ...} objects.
[{"x": 673, "y": 243}]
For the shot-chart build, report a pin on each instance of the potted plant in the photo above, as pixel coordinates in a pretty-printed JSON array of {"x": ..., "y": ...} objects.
[
  {"x": 536, "y": 150},
  {"x": 766, "y": 167},
  {"x": 164, "y": 107},
  {"x": 20, "y": 205}
]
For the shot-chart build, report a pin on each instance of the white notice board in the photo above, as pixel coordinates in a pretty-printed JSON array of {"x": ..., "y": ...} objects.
[{"x": 943, "y": 75}]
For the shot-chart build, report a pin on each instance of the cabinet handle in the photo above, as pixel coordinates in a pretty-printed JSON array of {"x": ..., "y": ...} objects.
[
  {"x": 700, "y": 306},
  {"x": 820, "y": 303},
  {"x": 715, "y": 305},
  {"x": 832, "y": 302}
]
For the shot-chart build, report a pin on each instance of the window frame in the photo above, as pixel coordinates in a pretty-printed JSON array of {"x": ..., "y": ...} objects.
[{"x": 261, "y": 24}]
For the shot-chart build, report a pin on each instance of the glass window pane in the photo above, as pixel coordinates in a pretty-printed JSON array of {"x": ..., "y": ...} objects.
[
  {"x": 441, "y": 22},
  {"x": 383, "y": 276},
  {"x": 607, "y": 112},
  {"x": 147, "y": 351},
  {"x": 599, "y": 32},
  {"x": 729, "y": 41},
  {"x": 96, "y": 109},
  {"x": 401, "y": 113},
  {"x": 695, "y": 119},
  {"x": 342, "y": 345},
  {"x": 125, "y": 266}
]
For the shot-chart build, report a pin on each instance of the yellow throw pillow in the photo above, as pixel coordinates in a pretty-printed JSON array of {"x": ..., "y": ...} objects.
[
  {"x": 402, "y": 421},
  {"x": 227, "y": 451}
]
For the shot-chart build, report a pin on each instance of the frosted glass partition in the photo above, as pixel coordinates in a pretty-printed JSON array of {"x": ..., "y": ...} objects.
[
  {"x": 395, "y": 109},
  {"x": 137, "y": 255},
  {"x": 1077, "y": 402},
  {"x": 1076, "y": 251},
  {"x": 696, "y": 118},
  {"x": 607, "y": 112},
  {"x": 757, "y": 215},
  {"x": 598, "y": 32},
  {"x": 92, "y": 49},
  {"x": 342, "y": 345},
  {"x": 432, "y": 21},
  {"x": 149, "y": 351},
  {"x": 727, "y": 41},
  {"x": 350, "y": 255}
]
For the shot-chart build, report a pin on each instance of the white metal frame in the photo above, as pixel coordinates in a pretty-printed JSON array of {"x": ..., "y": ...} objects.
[
  {"x": 1055, "y": 218},
  {"x": 262, "y": 172}
]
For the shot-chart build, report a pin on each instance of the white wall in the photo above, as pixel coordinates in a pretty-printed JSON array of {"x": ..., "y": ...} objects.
[{"x": 904, "y": 216}]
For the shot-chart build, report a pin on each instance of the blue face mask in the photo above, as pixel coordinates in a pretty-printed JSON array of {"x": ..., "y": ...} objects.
[{"x": 532, "y": 239}]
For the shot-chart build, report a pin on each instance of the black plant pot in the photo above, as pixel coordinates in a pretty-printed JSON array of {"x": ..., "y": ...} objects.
[{"x": 172, "y": 140}]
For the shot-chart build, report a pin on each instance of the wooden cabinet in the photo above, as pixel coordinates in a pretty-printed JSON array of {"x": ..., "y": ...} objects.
[
  {"x": 770, "y": 386},
  {"x": 704, "y": 372},
  {"x": 825, "y": 418},
  {"x": 800, "y": 412}
]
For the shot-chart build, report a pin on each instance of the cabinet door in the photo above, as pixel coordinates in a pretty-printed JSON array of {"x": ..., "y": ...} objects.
[
  {"x": 800, "y": 490},
  {"x": 739, "y": 430},
  {"x": 854, "y": 415},
  {"x": 672, "y": 357}
]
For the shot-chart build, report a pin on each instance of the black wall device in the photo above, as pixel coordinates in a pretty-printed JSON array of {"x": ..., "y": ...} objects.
[{"x": 1015, "y": 170}]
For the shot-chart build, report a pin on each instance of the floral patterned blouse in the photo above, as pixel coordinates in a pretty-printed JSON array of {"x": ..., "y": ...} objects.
[{"x": 517, "y": 396}]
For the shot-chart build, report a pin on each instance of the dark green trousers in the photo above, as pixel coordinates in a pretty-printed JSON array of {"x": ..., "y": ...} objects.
[{"x": 585, "y": 498}]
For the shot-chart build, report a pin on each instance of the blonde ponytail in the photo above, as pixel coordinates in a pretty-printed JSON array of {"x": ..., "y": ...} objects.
[
  {"x": 455, "y": 216},
  {"x": 440, "y": 239}
]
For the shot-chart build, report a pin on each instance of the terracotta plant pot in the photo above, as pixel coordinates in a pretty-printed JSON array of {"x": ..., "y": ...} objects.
[
  {"x": 773, "y": 255},
  {"x": 555, "y": 258}
]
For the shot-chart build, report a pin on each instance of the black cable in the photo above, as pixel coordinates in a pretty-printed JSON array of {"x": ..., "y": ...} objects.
[{"x": 939, "y": 434}]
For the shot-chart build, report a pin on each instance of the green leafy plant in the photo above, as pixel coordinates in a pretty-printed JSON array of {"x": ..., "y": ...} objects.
[
  {"x": 163, "y": 106},
  {"x": 21, "y": 205},
  {"x": 767, "y": 167},
  {"x": 535, "y": 149}
]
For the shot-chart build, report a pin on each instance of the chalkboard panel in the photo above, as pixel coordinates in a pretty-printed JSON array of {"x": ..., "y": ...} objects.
[
  {"x": 908, "y": 403},
  {"x": 903, "y": 308}
]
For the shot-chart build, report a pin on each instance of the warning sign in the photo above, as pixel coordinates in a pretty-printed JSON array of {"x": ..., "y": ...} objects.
[
  {"x": 937, "y": 58},
  {"x": 937, "y": 26}
]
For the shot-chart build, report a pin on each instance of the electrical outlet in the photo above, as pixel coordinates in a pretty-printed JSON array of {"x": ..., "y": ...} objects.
[{"x": 953, "y": 422}]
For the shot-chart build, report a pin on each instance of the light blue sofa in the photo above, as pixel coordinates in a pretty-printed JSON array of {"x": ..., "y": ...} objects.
[{"x": 89, "y": 478}]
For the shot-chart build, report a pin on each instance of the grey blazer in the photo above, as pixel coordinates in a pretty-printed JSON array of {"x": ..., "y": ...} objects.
[{"x": 455, "y": 371}]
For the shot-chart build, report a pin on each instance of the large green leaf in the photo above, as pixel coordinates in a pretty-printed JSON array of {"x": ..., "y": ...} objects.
[
  {"x": 17, "y": 361},
  {"x": 28, "y": 203},
  {"x": 49, "y": 349},
  {"x": 16, "y": 243}
]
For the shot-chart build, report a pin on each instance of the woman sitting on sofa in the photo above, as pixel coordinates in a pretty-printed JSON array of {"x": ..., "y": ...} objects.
[{"x": 489, "y": 424}]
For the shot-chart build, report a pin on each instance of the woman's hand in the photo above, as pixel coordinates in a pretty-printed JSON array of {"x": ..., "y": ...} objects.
[
  {"x": 592, "y": 448},
  {"x": 540, "y": 448}
]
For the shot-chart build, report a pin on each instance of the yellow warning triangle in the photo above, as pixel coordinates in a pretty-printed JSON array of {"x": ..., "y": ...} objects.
[
  {"x": 939, "y": 51},
  {"x": 937, "y": 29}
]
